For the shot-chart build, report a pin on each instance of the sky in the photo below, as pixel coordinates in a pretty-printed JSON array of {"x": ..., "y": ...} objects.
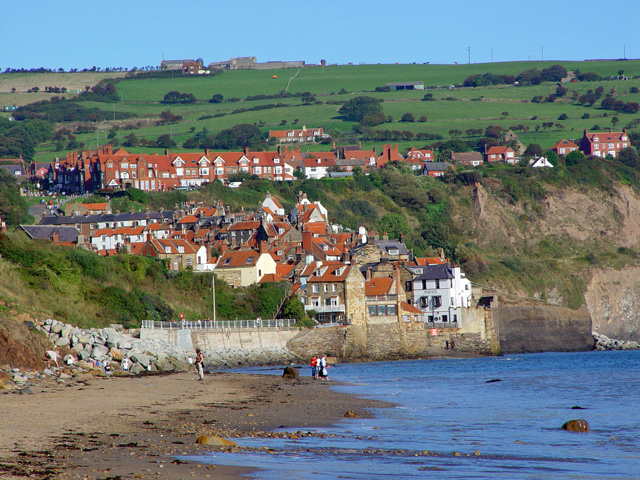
[{"x": 137, "y": 33}]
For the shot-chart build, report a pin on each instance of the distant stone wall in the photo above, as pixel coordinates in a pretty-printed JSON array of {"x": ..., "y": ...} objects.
[{"x": 543, "y": 329}]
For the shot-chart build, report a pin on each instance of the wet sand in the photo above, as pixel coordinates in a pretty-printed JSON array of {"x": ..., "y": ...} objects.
[{"x": 133, "y": 427}]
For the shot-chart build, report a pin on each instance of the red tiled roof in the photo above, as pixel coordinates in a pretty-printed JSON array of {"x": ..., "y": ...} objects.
[
  {"x": 410, "y": 308},
  {"x": 238, "y": 258},
  {"x": 378, "y": 286}
]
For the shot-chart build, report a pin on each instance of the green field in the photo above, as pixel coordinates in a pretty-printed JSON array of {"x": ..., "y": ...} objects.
[{"x": 476, "y": 107}]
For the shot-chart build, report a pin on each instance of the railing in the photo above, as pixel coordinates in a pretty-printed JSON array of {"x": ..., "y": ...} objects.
[
  {"x": 381, "y": 298},
  {"x": 325, "y": 308},
  {"x": 219, "y": 324}
]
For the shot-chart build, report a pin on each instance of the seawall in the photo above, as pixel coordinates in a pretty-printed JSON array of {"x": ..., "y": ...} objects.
[{"x": 543, "y": 329}]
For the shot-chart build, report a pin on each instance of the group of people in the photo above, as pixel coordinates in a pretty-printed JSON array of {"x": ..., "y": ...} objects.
[{"x": 319, "y": 368}]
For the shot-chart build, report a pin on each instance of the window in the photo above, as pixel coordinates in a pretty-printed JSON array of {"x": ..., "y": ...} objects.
[
  {"x": 444, "y": 318},
  {"x": 180, "y": 249},
  {"x": 227, "y": 261},
  {"x": 372, "y": 310},
  {"x": 424, "y": 302},
  {"x": 430, "y": 318},
  {"x": 391, "y": 309},
  {"x": 408, "y": 285},
  {"x": 326, "y": 287},
  {"x": 315, "y": 288},
  {"x": 437, "y": 283},
  {"x": 334, "y": 287},
  {"x": 437, "y": 301},
  {"x": 189, "y": 261},
  {"x": 455, "y": 318},
  {"x": 382, "y": 309},
  {"x": 250, "y": 260}
]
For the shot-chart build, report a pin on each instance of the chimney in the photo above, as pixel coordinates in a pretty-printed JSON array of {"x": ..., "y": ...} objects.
[
  {"x": 166, "y": 151},
  {"x": 367, "y": 275},
  {"x": 359, "y": 145},
  {"x": 402, "y": 238},
  {"x": 263, "y": 248},
  {"x": 306, "y": 240},
  {"x": 55, "y": 237},
  {"x": 385, "y": 236}
]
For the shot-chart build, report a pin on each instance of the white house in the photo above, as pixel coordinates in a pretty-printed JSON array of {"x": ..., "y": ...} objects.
[
  {"x": 441, "y": 291},
  {"x": 540, "y": 163}
]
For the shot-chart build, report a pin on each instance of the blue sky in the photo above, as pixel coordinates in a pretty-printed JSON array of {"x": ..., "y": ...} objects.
[{"x": 113, "y": 33}]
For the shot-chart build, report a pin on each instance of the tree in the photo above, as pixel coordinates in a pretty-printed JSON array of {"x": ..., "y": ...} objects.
[
  {"x": 357, "y": 108},
  {"x": 217, "y": 98},
  {"x": 422, "y": 118},
  {"x": 554, "y": 73},
  {"x": 563, "y": 116},
  {"x": 493, "y": 131},
  {"x": 165, "y": 141},
  {"x": 533, "y": 150},
  {"x": 573, "y": 158},
  {"x": 307, "y": 98},
  {"x": 455, "y": 133},
  {"x": 629, "y": 157},
  {"x": 408, "y": 117},
  {"x": 505, "y": 114},
  {"x": 614, "y": 121},
  {"x": 239, "y": 136}
]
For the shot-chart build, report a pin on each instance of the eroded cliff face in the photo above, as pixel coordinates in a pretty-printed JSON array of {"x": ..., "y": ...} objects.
[
  {"x": 579, "y": 216},
  {"x": 589, "y": 221},
  {"x": 613, "y": 300}
]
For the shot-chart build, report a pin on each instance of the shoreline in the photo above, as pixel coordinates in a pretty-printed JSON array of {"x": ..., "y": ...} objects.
[{"x": 134, "y": 426}]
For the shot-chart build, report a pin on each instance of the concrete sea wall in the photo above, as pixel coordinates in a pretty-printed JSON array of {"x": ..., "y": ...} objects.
[{"x": 543, "y": 329}]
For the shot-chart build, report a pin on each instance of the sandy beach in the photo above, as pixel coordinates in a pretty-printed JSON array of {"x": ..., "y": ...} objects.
[{"x": 133, "y": 427}]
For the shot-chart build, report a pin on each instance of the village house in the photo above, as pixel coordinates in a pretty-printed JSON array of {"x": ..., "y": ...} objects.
[
  {"x": 564, "y": 147},
  {"x": 467, "y": 158},
  {"x": 436, "y": 169},
  {"x": 417, "y": 158},
  {"x": 602, "y": 144},
  {"x": 440, "y": 291},
  {"x": 299, "y": 136},
  {"x": 323, "y": 290},
  {"x": 500, "y": 154},
  {"x": 241, "y": 268},
  {"x": 540, "y": 162},
  {"x": 177, "y": 252}
]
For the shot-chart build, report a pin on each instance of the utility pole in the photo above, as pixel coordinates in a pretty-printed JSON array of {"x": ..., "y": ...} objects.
[
  {"x": 542, "y": 49},
  {"x": 213, "y": 289},
  {"x": 469, "y": 49}
]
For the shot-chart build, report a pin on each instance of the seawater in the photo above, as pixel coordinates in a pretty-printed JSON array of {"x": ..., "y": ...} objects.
[{"x": 452, "y": 405}]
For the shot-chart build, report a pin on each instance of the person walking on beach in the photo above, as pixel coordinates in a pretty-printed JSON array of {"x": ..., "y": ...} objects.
[
  {"x": 323, "y": 368},
  {"x": 314, "y": 368},
  {"x": 453, "y": 345},
  {"x": 200, "y": 364}
]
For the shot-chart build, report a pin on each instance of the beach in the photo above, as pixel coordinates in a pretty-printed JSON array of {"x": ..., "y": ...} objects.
[{"x": 135, "y": 426}]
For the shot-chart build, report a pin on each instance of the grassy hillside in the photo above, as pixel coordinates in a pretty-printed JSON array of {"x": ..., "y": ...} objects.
[
  {"x": 84, "y": 289},
  {"x": 452, "y": 109}
]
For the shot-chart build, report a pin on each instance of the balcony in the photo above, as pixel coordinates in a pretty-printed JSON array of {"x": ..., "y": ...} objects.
[{"x": 325, "y": 308}]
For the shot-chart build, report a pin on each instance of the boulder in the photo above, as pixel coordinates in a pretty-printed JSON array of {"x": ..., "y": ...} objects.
[
  {"x": 137, "y": 368},
  {"x": 125, "y": 345},
  {"x": 579, "y": 425},
  {"x": 62, "y": 342},
  {"x": 99, "y": 352},
  {"x": 142, "y": 359},
  {"x": 116, "y": 354},
  {"x": 290, "y": 372},
  {"x": 213, "y": 440}
]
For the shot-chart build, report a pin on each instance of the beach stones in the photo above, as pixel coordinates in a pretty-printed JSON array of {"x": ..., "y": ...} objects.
[
  {"x": 290, "y": 372},
  {"x": 214, "y": 440},
  {"x": 579, "y": 425}
]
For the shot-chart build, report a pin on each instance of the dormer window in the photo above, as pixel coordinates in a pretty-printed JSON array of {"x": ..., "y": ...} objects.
[
  {"x": 180, "y": 249},
  {"x": 167, "y": 249},
  {"x": 256, "y": 160},
  {"x": 277, "y": 160},
  {"x": 250, "y": 260}
]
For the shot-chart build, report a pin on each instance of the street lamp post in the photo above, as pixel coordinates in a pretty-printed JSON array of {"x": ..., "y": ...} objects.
[{"x": 213, "y": 290}]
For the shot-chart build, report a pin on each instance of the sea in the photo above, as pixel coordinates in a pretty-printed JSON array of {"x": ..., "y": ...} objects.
[{"x": 480, "y": 418}]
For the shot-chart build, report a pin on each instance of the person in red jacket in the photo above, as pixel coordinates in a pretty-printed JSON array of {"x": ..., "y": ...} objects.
[{"x": 314, "y": 369}]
